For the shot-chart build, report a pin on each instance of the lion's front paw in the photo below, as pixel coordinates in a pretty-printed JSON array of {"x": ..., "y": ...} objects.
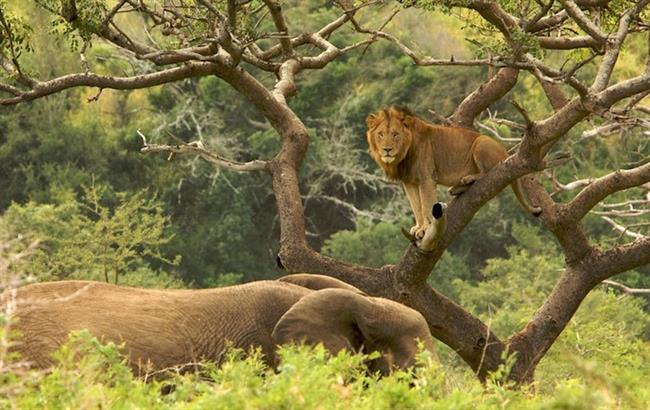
[
  {"x": 468, "y": 179},
  {"x": 414, "y": 229},
  {"x": 458, "y": 189},
  {"x": 420, "y": 231}
]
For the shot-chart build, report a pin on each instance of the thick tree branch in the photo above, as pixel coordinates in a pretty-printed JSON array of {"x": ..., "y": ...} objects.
[
  {"x": 484, "y": 96},
  {"x": 568, "y": 43},
  {"x": 569, "y": 233},
  {"x": 553, "y": 92},
  {"x": 549, "y": 320},
  {"x": 605, "y": 264},
  {"x": 494, "y": 14}
]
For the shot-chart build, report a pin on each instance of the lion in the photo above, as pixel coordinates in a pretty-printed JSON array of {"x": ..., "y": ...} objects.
[{"x": 421, "y": 155}]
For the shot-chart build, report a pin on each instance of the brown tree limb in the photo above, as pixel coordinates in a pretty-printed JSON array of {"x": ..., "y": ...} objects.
[
  {"x": 484, "y": 96},
  {"x": 592, "y": 3},
  {"x": 568, "y": 43},
  {"x": 614, "y": 46},
  {"x": 303, "y": 38},
  {"x": 542, "y": 21},
  {"x": 604, "y": 186},
  {"x": 569, "y": 233},
  {"x": 278, "y": 18},
  {"x": 42, "y": 89},
  {"x": 605, "y": 264},
  {"x": 494, "y": 14},
  {"x": 553, "y": 92},
  {"x": 532, "y": 342},
  {"x": 583, "y": 21}
]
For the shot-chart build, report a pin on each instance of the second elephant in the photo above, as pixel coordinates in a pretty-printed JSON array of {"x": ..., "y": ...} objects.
[{"x": 166, "y": 328}]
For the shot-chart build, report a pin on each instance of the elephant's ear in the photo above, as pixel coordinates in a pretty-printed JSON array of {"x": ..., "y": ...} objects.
[
  {"x": 326, "y": 316},
  {"x": 318, "y": 282}
]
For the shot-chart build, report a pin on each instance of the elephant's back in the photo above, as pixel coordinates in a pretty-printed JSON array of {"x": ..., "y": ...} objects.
[
  {"x": 143, "y": 318},
  {"x": 246, "y": 314},
  {"x": 164, "y": 326}
]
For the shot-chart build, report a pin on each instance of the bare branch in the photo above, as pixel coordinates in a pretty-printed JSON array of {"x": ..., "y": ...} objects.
[
  {"x": 571, "y": 185},
  {"x": 627, "y": 203},
  {"x": 356, "y": 212},
  {"x": 621, "y": 124},
  {"x": 303, "y": 38},
  {"x": 280, "y": 23},
  {"x": 65, "y": 82},
  {"x": 631, "y": 212},
  {"x": 614, "y": 46},
  {"x": 197, "y": 148},
  {"x": 330, "y": 52},
  {"x": 495, "y": 132},
  {"x": 626, "y": 289},
  {"x": 623, "y": 229},
  {"x": 605, "y": 186},
  {"x": 583, "y": 21},
  {"x": 552, "y": 75}
]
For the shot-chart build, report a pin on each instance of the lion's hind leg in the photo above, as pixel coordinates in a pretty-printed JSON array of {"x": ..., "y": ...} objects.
[{"x": 486, "y": 153}]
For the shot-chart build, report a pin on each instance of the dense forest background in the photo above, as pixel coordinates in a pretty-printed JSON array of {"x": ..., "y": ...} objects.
[{"x": 72, "y": 178}]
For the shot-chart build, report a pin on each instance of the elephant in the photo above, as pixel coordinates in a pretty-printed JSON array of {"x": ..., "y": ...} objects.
[
  {"x": 317, "y": 282},
  {"x": 171, "y": 328}
]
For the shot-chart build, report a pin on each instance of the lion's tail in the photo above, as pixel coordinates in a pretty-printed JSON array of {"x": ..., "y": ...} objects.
[{"x": 518, "y": 189}]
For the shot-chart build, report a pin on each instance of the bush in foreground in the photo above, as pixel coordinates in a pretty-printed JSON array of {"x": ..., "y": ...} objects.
[{"x": 91, "y": 375}]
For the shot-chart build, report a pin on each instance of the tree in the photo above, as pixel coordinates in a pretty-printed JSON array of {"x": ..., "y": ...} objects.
[{"x": 571, "y": 48}]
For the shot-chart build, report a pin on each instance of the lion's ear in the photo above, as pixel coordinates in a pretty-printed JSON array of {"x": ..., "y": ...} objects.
[
  {"x": 371, "y": 120},
  {"x": 409, "y": 121}
]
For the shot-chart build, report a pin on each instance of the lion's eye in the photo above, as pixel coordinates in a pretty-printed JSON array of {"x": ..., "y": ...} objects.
[
  {"x": 380, "y": 135},
  {"x": 395, "y": 136}
]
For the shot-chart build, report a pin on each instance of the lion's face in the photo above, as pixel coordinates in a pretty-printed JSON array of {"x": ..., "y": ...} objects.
[{"x": 389, "y": 137}]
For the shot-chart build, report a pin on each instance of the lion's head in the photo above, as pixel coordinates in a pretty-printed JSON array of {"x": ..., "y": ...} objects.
[{"x": 389, "y": 137}]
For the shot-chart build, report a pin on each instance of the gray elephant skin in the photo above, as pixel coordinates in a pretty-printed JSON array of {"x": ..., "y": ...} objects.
[{"x": 168, "y": 328}]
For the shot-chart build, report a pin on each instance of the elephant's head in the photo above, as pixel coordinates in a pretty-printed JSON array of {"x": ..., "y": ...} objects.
[{"x": 341, "y": 319}]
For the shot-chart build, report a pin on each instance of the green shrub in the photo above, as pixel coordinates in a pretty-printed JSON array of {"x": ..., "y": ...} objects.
[
  {"x": 104, "y": 236},
  {"x": 88, "y": 374}
]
